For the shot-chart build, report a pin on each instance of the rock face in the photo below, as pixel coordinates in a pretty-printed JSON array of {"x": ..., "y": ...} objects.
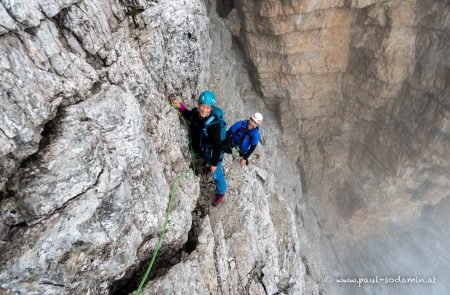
[
  {"x": 362, "y": 87},
  {"x": 87, "y": 155},
  {"x": 250, "y": 244},
  {"x": 247, "y": 246},
  {"x": 90, "y": 147}
]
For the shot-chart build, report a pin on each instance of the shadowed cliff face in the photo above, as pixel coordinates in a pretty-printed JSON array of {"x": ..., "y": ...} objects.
[{"x": 362, "y": 87}]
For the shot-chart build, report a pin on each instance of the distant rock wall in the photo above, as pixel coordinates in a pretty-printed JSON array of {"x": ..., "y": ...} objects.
[{"x": 362, "y": 87}]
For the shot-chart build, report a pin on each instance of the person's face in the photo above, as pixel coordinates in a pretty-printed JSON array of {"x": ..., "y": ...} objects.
[
  {"x": 252, "y": 124},
  {"x": 204, "y": 110}
]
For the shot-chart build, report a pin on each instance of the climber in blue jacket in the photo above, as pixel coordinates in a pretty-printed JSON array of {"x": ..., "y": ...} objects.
[
  {"x": 244, "y": 135},
  {"x": 205, "y": 138}
]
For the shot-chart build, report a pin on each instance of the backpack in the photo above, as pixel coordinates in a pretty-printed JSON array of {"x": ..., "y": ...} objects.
[
  {"x": 216, "y": 113},
  {"x": 249, "y": 133},
  {"x": 228, "y": 144}
]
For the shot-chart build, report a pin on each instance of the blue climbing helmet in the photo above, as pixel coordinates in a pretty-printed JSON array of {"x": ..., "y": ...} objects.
[
  {"x": 207, "y": 97},
  {"x": 216, "y": 117}
]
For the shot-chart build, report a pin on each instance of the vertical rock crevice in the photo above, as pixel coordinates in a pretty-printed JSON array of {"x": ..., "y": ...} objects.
[{"x": 224, "y": 7}]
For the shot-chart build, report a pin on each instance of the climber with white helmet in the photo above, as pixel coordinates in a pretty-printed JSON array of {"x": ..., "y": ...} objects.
[
  {"x": 207, "y": 131},
  {"x": 244, "y": 135}
]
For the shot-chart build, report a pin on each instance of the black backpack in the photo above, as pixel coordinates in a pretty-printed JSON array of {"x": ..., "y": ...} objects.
[{"x": 217, "y": 114}]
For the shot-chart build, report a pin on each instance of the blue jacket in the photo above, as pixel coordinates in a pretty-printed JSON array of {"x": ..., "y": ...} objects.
[{"x": 245, "y": 139}]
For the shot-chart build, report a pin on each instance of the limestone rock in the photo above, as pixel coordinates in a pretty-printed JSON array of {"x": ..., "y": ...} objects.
[
  {"x": 357, "y": 93},
  {"x": 352, "y": 83},
  {"x": 110, "y": 181},
  {"x": 90, "y": 147},
  {"x": 196, "y": 275},
  {"x": 86, "y": 164},
  {"x": 250, "y": 245}
]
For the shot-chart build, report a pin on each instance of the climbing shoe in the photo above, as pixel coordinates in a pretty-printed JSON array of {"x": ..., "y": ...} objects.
[{"x": 218, "y": 199}]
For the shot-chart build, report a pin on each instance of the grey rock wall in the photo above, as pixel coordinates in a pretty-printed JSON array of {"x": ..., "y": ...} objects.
[
  {"x": 90, "y": 147},
  {"x": 89, "y": 143},
  {"x": 362, "y": 90},
  {"x": 252, "y": 238}
]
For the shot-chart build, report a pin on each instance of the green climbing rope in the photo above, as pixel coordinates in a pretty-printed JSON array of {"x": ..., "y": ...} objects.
[
  {"x": 163, "y": 232},
  {"x": 166, "y": 222}
]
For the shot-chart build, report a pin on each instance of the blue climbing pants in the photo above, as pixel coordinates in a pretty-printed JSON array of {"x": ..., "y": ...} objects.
[
  {"x": 219, "y": 180},
  {"x": 218, "y": 176}
]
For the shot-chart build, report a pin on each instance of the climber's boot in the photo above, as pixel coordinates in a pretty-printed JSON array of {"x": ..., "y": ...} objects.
[{"x": 218, "y": 199}]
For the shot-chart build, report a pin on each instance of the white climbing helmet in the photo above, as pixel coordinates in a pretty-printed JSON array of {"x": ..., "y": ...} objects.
[{"x": 257, "y": 117}]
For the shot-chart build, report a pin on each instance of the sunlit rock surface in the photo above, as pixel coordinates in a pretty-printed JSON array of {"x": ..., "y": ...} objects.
[{"x": 90, "y": 147}]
